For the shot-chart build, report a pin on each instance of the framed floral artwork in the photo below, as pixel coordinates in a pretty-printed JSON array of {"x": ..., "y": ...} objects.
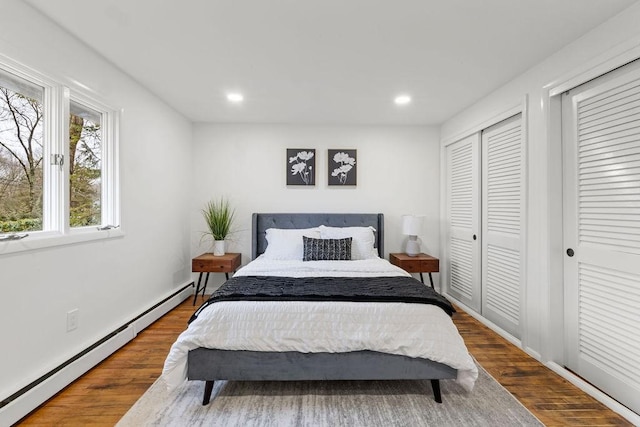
[
  {"x": 301, "y": 166},
  {"x": 342, "y": 167}
]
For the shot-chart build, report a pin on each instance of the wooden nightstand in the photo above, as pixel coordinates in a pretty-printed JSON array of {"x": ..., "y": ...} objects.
[
  {"x": 209, "y": 263},
  {"x": 421, "y": 263}
]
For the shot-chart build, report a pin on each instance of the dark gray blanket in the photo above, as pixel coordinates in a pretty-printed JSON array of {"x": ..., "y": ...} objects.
[{"x": 354, "y": 289}]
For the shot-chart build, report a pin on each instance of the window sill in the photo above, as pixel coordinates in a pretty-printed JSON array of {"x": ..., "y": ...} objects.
[{"x": 42, "y": 240}]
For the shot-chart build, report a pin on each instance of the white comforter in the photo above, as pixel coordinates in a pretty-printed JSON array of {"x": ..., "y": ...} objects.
[{"x": 414, "y": 330}]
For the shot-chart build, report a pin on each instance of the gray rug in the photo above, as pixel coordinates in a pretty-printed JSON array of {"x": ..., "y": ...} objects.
[{"x": 330, "y": 403}]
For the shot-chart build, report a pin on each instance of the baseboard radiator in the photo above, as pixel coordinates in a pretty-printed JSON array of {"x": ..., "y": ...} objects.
[{"x": 25, "y": 400}]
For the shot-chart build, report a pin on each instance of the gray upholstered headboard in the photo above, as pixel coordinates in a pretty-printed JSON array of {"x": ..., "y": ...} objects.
[{"x": 263, "y": 221}]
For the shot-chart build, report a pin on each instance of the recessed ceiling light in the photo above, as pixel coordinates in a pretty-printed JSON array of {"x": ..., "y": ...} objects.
[
  {"x": 235, "y": 97},
  {"x": 402, "y": 99}
]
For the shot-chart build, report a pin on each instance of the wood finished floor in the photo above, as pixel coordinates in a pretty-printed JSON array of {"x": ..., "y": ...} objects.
[{"x": 105, "y": 393}]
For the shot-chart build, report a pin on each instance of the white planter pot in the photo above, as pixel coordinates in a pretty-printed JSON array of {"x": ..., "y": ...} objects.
[{"x": 218, "y": 247}]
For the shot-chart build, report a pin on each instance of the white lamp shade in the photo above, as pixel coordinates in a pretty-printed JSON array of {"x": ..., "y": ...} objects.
[{"x": 412, "y": 224}]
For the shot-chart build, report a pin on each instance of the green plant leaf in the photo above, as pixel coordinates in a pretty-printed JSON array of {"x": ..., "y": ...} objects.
[{"x": 219, "y": 216}]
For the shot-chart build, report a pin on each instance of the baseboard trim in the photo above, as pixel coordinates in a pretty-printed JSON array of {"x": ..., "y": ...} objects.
[
  {"x": 603, "y": 398},
  {"x": 592, "y": 391},
  {"x": 158, "y": 310},
  {"x": 25, "y": 400},
  {"x": 33, "y": 395},
  {"x": 489, "y": 324}
]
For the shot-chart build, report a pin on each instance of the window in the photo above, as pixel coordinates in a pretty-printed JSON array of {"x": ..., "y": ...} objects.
[
  {"x": 21, "y": 153},
  {"x": 58, "y": 162},
  {"x": 85, "y": 170}
]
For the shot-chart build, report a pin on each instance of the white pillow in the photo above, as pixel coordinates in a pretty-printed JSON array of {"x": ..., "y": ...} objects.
[
  {"x": 363, "y": 239},
  {"x": 284, "y": 243}
]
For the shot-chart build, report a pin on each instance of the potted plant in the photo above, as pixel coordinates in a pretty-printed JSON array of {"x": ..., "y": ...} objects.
[{"x": 218, "y": 215}]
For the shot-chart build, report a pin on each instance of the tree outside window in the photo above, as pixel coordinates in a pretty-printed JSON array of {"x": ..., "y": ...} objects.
[
  {"x": 85, "y": 166},
  {"x": 21, "y": 151}
]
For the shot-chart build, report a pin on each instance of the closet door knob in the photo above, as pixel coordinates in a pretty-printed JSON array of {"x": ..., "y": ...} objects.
[
  {"x": 474, "y": 237},
  {"x": 570, "y": 252}
]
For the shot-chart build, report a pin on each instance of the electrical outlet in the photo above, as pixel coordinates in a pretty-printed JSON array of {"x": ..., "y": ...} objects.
[{"x": 72, "y": 320}]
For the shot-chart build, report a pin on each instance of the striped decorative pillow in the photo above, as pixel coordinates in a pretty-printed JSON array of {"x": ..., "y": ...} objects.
[{"x": 326, "y": 249}]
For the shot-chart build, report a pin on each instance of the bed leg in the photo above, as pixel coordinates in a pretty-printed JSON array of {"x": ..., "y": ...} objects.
[
  {"x": 435, "y": 385},
  {"x": 208, "y": 388}
]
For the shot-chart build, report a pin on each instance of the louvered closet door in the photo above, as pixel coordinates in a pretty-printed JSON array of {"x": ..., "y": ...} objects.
[
  {"x": 502, "y": 223},
  {"x": 463, "y": 201},
  {"x": 601, "y": 125}
]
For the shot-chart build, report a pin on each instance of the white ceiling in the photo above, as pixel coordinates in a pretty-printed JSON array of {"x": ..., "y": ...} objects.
[{"x": 326, "y": 61}]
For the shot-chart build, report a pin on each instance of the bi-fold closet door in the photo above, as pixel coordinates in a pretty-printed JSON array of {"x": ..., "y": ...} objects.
[{"x": 484, "y": 210}]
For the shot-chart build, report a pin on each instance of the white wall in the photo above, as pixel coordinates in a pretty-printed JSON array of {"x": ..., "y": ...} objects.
[
  {"x": 544, "y": 250},
  {"x": 109, "y": 281},
  {"x": 398, "y": 173}
]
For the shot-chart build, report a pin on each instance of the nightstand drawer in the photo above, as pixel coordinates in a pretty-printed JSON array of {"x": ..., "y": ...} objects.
[
  {"x": 422, "y": 263},
  {"x": 209, "y": 263},
  {"x": 210, "y": 266},
  {"x": 430, "y": 265},
  {"x": 412, "y": 266}
]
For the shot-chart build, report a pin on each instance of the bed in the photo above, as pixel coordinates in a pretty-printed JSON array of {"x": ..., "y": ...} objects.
[{"x": 255, "y": 340}]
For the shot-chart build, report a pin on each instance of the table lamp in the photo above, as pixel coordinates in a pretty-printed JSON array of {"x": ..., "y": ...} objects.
[{"x": 412, "y": 226}]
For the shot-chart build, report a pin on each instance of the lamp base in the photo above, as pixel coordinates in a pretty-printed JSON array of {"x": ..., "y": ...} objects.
[{"x": 413, "y": 247}]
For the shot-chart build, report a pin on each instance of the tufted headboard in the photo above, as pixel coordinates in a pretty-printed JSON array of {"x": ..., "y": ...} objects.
[{"x": 262, "y": 221}]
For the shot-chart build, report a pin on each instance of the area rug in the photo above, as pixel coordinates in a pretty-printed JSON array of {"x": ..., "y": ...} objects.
[{"x": 330, "y": 403}]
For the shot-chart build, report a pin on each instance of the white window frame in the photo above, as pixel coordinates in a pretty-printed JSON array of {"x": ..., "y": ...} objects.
[
  {"x": 55, "y": 192},
  {"x": 109, "y": 206}
]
